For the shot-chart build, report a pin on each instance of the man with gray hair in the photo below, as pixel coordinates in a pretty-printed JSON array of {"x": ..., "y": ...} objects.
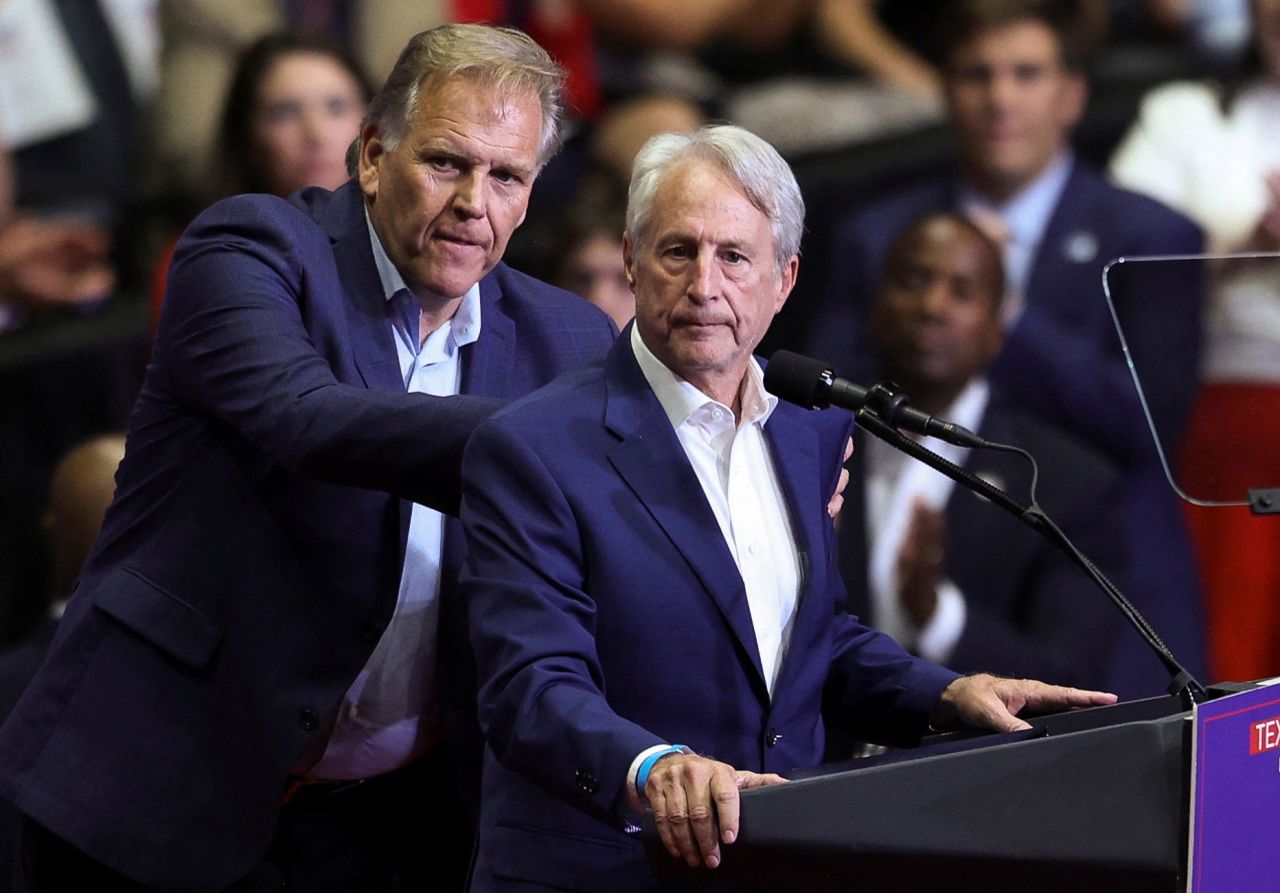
[
  {"x": 248, "y": 686},
  {"x": 649, "y": 576}
]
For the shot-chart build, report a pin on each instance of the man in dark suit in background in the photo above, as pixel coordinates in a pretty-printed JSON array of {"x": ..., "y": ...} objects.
[
  {"x": 927, "y": 561},
  {"x": 257, "y": 622},
  {"x": 650, "y": 574},
  {"x": 1015, "y": 88}
]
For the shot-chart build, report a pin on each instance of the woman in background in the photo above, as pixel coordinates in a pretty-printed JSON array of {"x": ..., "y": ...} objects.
[{"x": 293, "y": 108}]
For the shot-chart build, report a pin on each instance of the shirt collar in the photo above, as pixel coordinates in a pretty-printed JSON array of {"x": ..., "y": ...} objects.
[
  {"x": 680, "y": 399},
  {"x": 1026, "y": 214},
  {"x": 465, "y": 324}
]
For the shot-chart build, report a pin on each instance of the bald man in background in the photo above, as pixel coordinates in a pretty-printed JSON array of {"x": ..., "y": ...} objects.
[{"x": 79, "y": 492}]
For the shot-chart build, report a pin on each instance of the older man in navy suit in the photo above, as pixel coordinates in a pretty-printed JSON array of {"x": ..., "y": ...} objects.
[
  {"x": 1014, "y": 89},
  {"x": 650, "y": 577},
  {"x": 258, "y": 620}
]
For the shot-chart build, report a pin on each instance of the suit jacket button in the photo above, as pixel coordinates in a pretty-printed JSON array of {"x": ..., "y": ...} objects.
[
  {"x": 772, "y": 737},
  {"x": 308, "y": 719}
]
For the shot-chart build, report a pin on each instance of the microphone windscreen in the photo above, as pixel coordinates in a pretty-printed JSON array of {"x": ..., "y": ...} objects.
[{"x": 796, "y": 378}]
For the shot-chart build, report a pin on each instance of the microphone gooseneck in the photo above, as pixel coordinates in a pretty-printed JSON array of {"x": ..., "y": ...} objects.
[{"x": 811, "y": 383}]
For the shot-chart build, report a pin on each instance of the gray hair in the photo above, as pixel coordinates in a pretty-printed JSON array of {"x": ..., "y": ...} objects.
[
  {"x": 503, "y": 58},
  {"x": 755, "y": 165}
]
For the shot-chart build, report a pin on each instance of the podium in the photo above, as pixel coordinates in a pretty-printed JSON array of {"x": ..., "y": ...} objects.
[{"x": 1091, "y": 800}]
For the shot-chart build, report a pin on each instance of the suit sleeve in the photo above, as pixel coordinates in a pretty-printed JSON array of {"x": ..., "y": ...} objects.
[
  {"x": 541, "y": 703},
  {"x": 877, "y": 691},
  {"x": 233, "y": 343}
]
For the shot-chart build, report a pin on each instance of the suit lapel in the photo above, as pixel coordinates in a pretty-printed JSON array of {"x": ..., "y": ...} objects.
[
  {"x": 794, "y": 450},
  {"x": 372, "y": 347},
  {"x": 487, "y": 362},
  {"x": 650, "y": 459},
  {"x": 1069, "y": 240},
  {"x": 486, "y": 371}
]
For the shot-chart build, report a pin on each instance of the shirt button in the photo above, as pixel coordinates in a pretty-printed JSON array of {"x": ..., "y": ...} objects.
[
  {"x": 754, "y": 548},
  {"x": 353, "y": 712}
]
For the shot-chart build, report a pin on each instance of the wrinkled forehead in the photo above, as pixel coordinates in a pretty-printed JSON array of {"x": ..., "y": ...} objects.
[
  {"x": 709, "y": 169},
  {"x": 504, "y": 96},
  {"x": 699, "y": 189}
]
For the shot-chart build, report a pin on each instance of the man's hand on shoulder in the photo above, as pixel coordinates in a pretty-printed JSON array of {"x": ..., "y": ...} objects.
[
  {"x": 836, "y": 503},
  {"x": 990, "y": 702},
  {"x": 695, "y": 804}
]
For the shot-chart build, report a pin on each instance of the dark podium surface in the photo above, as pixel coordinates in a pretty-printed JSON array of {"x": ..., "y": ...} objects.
[{"x": 1091, "y": 800}]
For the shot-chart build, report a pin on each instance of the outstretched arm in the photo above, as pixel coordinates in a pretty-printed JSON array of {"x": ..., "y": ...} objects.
[{"x": 254, "y": 327}]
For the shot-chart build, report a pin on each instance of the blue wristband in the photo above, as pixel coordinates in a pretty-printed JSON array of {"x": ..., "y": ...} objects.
[{"x": 642, "y": 776}]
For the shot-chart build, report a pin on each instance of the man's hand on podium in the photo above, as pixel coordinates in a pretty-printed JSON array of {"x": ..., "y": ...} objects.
[
  {"x": 695, "y": 804},
  {"x": 990, "y": 702}
]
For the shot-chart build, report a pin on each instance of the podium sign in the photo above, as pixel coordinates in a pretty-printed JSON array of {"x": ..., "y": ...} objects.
[{"x": 1235, "y": 795}]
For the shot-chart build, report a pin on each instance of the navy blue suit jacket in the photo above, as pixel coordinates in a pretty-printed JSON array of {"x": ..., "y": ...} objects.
[
  {"x": 1030, "y": 611},
  {"x": 1063, "y": 362},
  {"x": 608, "y": 616},
  {"x": 251, "y": 557}
]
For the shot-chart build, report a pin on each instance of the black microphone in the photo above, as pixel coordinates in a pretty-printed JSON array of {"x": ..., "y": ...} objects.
[{"x": 812, "y": 384}]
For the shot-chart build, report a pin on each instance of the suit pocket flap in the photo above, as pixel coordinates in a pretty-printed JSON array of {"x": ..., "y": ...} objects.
[
  {"x": 567, "y": 861},
  {"x": 165, "y": 621}
]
